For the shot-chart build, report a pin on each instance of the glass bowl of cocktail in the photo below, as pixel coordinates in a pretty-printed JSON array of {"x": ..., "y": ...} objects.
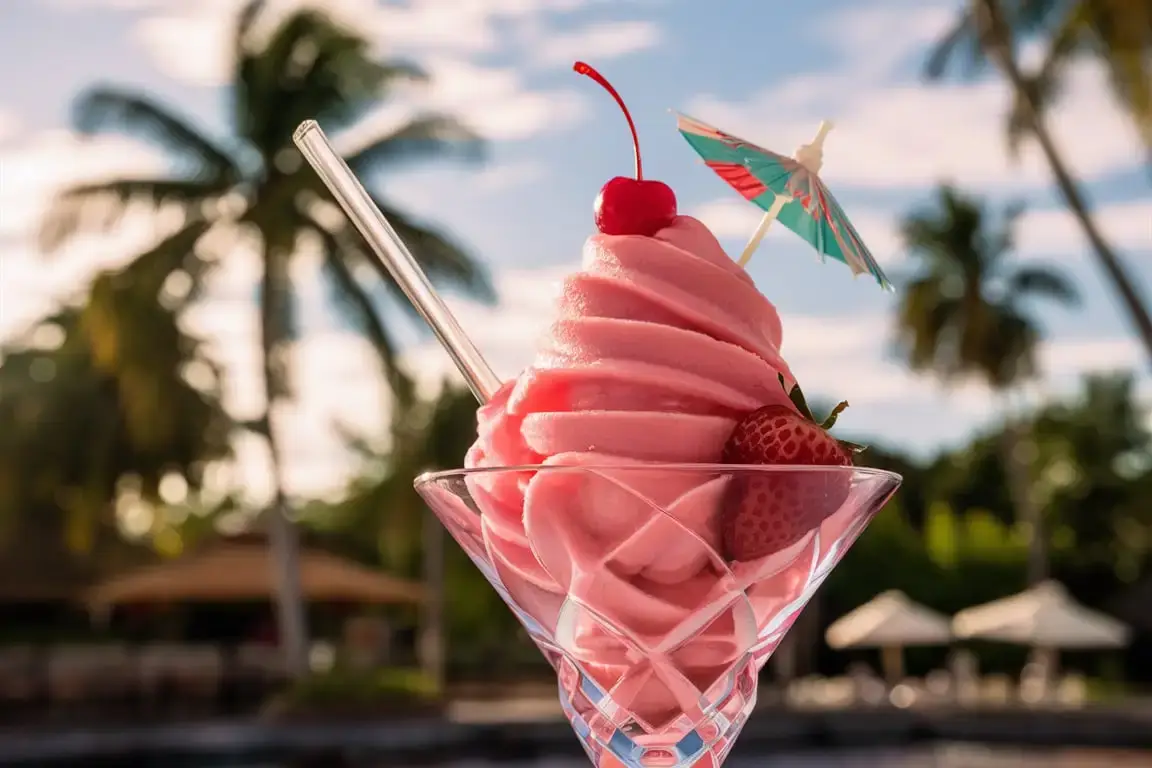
[{"x": 652, "y": 497}]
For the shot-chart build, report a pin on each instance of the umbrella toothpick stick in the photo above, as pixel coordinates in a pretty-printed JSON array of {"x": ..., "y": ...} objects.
[
  {"x": 811, "y": 156},
  {"x": 761, "y": 230}
]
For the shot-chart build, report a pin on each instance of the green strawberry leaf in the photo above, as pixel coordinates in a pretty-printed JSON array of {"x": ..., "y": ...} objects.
[
  {"x": 831, "y": 420},
  {"x": 797, "y": 397}
]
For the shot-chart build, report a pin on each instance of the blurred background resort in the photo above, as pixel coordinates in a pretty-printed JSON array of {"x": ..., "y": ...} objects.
[{"x": 212, "y": 406}]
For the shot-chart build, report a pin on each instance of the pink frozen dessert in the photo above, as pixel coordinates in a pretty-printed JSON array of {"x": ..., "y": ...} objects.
[
  {"x": 663, "y": 352},
  {"x": 661, "y": 346}
]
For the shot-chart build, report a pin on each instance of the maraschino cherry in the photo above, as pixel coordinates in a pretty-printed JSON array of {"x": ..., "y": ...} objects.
[{"x": 630, "y": 206}]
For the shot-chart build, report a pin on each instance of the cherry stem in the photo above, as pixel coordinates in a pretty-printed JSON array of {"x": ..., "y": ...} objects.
[{"x": 584, "y": 69}]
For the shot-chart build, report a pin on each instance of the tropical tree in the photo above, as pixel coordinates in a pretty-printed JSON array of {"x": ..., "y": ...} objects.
[
  {"x": 252, "y": 187},
  {"x": 966, "y": 313},
  {"x": 88, "y": 413},
  {"x": 991, "y": 30}
]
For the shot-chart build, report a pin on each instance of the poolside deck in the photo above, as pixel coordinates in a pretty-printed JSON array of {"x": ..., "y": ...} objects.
[{"x": 443, "y": 740}]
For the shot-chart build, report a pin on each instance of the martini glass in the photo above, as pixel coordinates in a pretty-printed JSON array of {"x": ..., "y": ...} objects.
[
  {"x": 618, "y": 572},
  {"x": 619, "y": 576}
]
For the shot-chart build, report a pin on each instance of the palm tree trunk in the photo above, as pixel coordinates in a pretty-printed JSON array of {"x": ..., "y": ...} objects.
[
  {"x": 283, "y": 536},
  {"x": 285, "y": 544},
  {"x": 994, "y": 31}
]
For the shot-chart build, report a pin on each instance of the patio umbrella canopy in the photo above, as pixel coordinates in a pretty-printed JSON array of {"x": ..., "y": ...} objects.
[
  {"x": 890, "y": 621},
  {"x": 1044, "y": 616},
  {"x": 241, "y": 571}
]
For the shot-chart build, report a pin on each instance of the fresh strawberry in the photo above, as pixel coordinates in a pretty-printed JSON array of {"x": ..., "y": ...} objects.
[{"x": 766, "y": 512}]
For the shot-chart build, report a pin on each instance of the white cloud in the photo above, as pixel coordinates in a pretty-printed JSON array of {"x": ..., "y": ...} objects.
[
  {"x": 495, "y": 101},
  {"x": 509, "y": 175},
  {"x": 600, "y": 42},
  {"x": 1055, "y": 232},
  {"x": 894, "y": 133},
  {"x": 9, "y": 125},
  {"x": 1069, "y": 356},
  {"x": 30, "y": 173},
  {"x": 192, "y": 43},
  {"x": 124, "y": 5}
]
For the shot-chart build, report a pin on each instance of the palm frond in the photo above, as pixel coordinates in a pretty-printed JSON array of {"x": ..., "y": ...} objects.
[
  {"x": 1043, "y": 282},
  {"x": 313, "y": 68},
  {"x": 152, "y": 268},
  {"x": 103, "y": 109},
  {"x": 1127, "y": 45},
  {"x": 445, "y": 261},
  {"x": 1008, "y": 353},
  {"x": 1037, "y": 16},
  {"x": 354, "y": 302},
  {"x": 366, "y": 88},
  {"x": 100, "y": 206},
  {"x": 948, "y": 233},
  {"x": 999, "y": 241},
  {"x": 925, "y": 319},
  {"x": 960, "y": 45},
  {"x": 425, "y": 136}
]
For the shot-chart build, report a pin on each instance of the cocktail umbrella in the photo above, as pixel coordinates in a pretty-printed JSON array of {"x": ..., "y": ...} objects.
[{"x": 788, "y": 189}]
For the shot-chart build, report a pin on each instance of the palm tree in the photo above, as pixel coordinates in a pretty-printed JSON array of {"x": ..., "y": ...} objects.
[
  {"x": 965, "y": 314},
  {"x": 255, "y": 185},
  {"x": 1116, "y": 32},
  {"x": 989, "y": 29}
]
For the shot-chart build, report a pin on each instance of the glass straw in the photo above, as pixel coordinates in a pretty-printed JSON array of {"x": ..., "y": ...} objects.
[{"x": 395, "y": 256}]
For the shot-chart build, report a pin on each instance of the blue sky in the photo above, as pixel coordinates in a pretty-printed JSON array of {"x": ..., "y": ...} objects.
[{"x": 769, "y": 72}]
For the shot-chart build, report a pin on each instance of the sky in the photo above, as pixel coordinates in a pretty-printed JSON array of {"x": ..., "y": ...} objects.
[{"x": 769, "y": 72}]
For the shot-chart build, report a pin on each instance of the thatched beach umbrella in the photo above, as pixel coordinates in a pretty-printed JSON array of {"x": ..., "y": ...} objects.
[
  {"x": 1046, "y": 618},
  {"x": 891, "y": 622},
  {"x": 242, "y": 570}
]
